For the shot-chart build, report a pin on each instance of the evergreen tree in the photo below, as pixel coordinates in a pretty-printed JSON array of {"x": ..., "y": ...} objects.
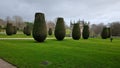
[
  {"x": 85, "y": 33},
  {"x": 60, "y": 29},
  {"x": 104, "y": 33},
  {"x": 76, "y": 31},
  {"x": 9, "y": 29},
  {"x": 50, "y": 31},
  {"x": 27, "y": 30},
  {"x": 39, "y": 29}
]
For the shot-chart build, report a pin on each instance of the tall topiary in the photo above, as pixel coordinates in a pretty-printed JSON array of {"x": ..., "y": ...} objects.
[
  {"x": 104, "y": 33},
  {"x": 50, "y": 31},
  {"x": 85, "y": 33},
  {"x": 39, "y": 28},
  {"x": 27, "y": 30},
  {"x": 60, "y": 29},
  {"x": 9, "y": 29},
  {"x": 76, "y": 31}
]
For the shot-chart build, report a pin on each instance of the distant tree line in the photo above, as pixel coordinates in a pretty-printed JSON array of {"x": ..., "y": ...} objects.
[{"x": 96, "y": 29}]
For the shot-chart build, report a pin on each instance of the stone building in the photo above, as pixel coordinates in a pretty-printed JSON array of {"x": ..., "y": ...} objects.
[{"x": 82, "y": 23}]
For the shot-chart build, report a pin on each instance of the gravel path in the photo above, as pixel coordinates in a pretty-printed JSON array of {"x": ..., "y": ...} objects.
[{"x": 4, "y": 64}]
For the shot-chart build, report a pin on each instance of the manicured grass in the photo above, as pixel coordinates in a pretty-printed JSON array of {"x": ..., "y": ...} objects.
[
  {"x": 92, "y": 53},
  {"x": 20, "y": 36},
  {"x": 15, "y": 36}
]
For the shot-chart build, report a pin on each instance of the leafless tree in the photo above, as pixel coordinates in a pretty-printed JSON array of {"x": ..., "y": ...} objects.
[
  {"x": 96, "y": 29},
  {"x": 19, "y": 22},
  {"x": 2, "y": 23},
  {"x": 50, "y": 24},
  {"x": 115, "y": 26}
]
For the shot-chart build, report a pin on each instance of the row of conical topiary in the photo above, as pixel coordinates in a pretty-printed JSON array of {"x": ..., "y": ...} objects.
[
  {"x": 39, "y": 32},
  {"x": 76, "y": 33},
  {"x": 10, "y": 29}
]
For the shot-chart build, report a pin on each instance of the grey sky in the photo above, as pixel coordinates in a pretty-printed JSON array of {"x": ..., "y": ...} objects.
[{"x": 95, "y": 11}]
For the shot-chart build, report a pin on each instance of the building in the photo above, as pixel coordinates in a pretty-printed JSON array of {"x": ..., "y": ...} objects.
[{"x": 82, "y": 23}]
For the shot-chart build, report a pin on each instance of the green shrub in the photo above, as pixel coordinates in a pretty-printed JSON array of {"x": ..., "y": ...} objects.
[
  {"x": 85, "y": 33},
  {"x": 104, "y": 33},
  {"x": 9, "y": 29},
  {"x": 39, "y": 28},
  {"x": 27, "y": 30},
  {"x": 76, "y": 31},
  {"x": 50, "y": 31},
  {"x": 60, "y": 29}
]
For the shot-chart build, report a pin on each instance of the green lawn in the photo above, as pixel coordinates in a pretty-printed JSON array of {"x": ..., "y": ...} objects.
[
  {"x": 20, "y": 36},
  {"x": 92, "y": 53},
  {"x": 15, "y": 36}
]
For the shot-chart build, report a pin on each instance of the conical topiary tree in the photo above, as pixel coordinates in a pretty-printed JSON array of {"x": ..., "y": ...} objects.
[
  {"x": 104, "y": 33},
  {"x": 85, "y": 33},
  {"x": 27, "y": 30},
  {"x": 50, "y": 31},
  {"x": 39, "y": 28},
  {"x": 60, "y": 29},
  {"x": 9, "y": 29},
  {"x": 76, "y": 31}
]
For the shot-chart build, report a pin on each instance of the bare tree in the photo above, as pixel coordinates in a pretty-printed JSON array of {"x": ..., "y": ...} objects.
[
  {"x": 115, "y": 26},
  {"x": 50, "y": 24},
  {"x": 8, "y": 19},
  {"x": 92, "y": 30},
  {"x": 19, "y": 22},
  {"x": 97, "y": 28},
  {"x": 2, "y": 23}
]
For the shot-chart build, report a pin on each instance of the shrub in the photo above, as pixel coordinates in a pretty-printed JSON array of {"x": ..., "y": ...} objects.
[
  {"x": 104, "y": 33},
  {"x": 27, "y": 30},
  {"x": 9, "y": 29},
  {"x": 85, "y": 33},
  {"x": 60, "y": 29},
  {"x": 50, "y": 31},
  {"x": 39, "y": 29},
  {"x": 76, "y": 32}
]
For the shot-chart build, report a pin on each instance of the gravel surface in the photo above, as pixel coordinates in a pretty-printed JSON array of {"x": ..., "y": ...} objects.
[{"x": 4, "y": 64}]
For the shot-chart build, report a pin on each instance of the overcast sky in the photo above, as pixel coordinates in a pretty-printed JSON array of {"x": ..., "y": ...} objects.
[{"x": 95, "y": 11}]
